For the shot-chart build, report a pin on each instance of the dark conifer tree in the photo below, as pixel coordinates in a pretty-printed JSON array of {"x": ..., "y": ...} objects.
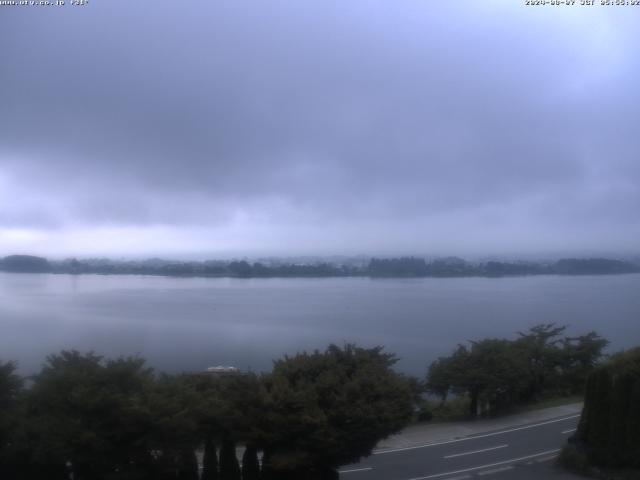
[
  {"x": 210, "y": 460},
  {"x": 188, "y": 465},
  {"x": 266, "y": 472},
  {"x": 609, "y": 428},
  {"x": 229, "y": 466},
  {"x": 250, "y": 464}
]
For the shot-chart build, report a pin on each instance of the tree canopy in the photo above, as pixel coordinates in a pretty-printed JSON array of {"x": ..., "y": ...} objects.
[
  {"x": 499, "y": 373},
  {"x": 329, "y": 408},
  {"x": 101, "y": 418}
]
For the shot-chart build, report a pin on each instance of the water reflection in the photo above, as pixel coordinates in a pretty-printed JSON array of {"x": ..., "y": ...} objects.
[{"x": 191, "y": 323}]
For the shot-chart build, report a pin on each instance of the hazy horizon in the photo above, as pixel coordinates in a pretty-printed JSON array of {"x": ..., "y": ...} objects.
[
  {"x": 337, "y": 258},
  {"x": 300, "y": 128}
]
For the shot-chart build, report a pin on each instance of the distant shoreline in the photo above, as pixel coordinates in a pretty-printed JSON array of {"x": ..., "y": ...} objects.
[
  {"x": 374, "y": 277},
  {"x": 401, "y": 267}
]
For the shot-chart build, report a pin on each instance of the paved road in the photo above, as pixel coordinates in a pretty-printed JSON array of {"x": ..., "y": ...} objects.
[{"x": 521, "y": 452}]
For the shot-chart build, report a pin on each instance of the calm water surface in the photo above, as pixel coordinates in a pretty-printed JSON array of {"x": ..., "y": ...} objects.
[{"x": 191, "y": 323}]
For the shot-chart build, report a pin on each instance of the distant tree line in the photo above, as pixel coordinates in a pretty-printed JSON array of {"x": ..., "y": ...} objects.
[
  {"x": 497, "y": 374},
  {"x": 457, "y": 267},
  {"x": 376, "y": 267},
  {"x": 87, "y": 417}
]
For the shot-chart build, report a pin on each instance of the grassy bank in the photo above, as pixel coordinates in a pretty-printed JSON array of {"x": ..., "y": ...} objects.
[{"x": 457, "y": 408}]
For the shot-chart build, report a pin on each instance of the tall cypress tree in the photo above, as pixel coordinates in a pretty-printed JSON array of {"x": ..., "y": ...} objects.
[
  {"x": 609, "y": 430},
  {"x": 633, "y": 427},
  {"x": 229, "y": 466},
  {"x": 250, "y": 464},
  {"x": 188, "y": 465},
  {"x": 210, "y": 460},
  {"x": 266, "y": 472}
]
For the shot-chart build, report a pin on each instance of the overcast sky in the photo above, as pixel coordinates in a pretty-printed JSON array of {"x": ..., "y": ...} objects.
[{"x": 213, "y": 128}]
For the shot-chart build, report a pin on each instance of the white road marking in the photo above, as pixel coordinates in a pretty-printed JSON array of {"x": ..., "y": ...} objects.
[
  {"x": 546, "y": 459},
  {"x": 480, "y": 467},
  {"x": 569, "y": 431},
  {"x": 496, "y": 470},
  {"x": 356, "y": 470},
  {"x": 465, "y": 439},
  {"x": 476, "y": 451}
]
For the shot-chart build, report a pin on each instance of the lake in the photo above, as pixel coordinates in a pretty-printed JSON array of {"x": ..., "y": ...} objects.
[{"x": 185, "y": 324}]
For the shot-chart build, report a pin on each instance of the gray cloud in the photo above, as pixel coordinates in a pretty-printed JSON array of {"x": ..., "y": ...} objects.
[{"x": 320, "y": 126}]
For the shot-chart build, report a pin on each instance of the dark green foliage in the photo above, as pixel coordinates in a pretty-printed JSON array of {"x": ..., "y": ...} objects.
[
  {"x": 173, "y": 406},
  {"x": 490, "y": 372},
  {"x": 579, "y": 356},
  {"x": 209, "y": 460},
  {"x": 497, "y": 374},
  {"x": 425, "y": 414},
  {"x": 188, "y": 465},
  {"x": 10, "y": 389},
  {"x": 229, "y": 466},
  {"x": 610, "y": 424},
  {"x": 243, "y": 405},
  {"x": 494, "y": 375},
  {"x": 10, "y": 386},
  {"x": 267, "y": 471},
  {"x": 101, "y": 419},
  {"x": 250, "y": 464},
  {"x": 440, "y": 377},
  {"x": 539, "y": 347},
  {"x": 90, "y": 412},
  {"x": 329, "y": 408}
]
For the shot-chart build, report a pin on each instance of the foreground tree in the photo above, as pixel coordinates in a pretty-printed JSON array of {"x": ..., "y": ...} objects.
[
  {"x": 10, "y": 390},
  {"x": 228, "y": 409},
  {"x": 326, "y": 409},
  {"x": 495, "y": 375},
  {"x": 609, "y": 429},
  {"x": 250, "y": 464},
  {"x": 209, "y": 460},
  {"x": 580, "y": 355},
  {"x": 447, "y": 374},
  {"x": 540, "y": 347},
  {"x": 498, "y": 373},
  {"x": 90, "y": 414},
  {"x": 175, "y": 433},
  {"x": 229, "y": 466}
]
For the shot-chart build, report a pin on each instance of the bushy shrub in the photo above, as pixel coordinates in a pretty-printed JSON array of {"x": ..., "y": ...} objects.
[{"x": 609, "y": 428}]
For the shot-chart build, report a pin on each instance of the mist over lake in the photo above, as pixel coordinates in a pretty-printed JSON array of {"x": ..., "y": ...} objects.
[{"x": 185, "y": 324}]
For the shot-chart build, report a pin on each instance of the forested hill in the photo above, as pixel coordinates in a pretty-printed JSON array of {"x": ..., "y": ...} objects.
[{"x": 375, "y": 267}]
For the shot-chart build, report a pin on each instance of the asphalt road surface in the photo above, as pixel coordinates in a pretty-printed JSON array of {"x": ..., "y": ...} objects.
[{"x": 519, "y": 453}]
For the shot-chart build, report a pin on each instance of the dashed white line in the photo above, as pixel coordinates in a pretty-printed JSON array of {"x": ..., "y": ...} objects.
[
  {"x": 546, "y": 459},
  {"x": 480, "y": 467},
  {"x": 465, "y": 439},
  {"x": 569, "y": 431},
  {"x": 476, "y": 451},
  {"x": 353, "y": 470},
  {"x": 496, "y": 470}
]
